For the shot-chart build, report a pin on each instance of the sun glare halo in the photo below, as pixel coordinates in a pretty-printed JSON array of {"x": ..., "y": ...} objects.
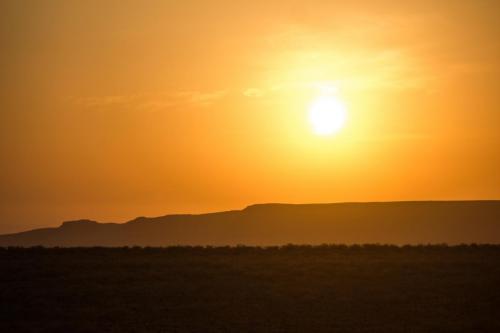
[{"x": 327, "y": 115}]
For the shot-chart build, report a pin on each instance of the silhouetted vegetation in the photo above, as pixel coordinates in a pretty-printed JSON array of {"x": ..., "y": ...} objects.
[{"x": 369, "y": 288}]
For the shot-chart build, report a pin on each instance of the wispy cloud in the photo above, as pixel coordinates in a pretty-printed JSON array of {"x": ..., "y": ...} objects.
[
  {"x": 254, "y": 92},
  {"x": 152, "y": 101},
  {"x": 372, "y": 56}
]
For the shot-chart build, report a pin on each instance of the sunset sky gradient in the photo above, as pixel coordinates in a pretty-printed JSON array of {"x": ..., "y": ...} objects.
[{"x": 115, "y": 109}]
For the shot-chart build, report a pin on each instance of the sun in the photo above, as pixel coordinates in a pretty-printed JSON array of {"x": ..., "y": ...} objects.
[{"x": 327, "y": 115}]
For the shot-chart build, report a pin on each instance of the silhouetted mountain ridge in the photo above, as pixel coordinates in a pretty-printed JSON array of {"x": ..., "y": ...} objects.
[
  {"x": 78, "y": 223},
  {"x": 407, "y": 222}
]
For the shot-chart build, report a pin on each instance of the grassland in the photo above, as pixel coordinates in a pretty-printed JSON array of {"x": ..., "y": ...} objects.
[{"x": 334, "y": 288}]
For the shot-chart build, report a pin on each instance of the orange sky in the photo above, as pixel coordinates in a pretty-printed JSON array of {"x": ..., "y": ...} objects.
[{"x": 115, "y": 109}]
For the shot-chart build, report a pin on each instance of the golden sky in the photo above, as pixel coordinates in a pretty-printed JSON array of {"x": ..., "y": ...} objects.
[{"x": 115, "y": 109}]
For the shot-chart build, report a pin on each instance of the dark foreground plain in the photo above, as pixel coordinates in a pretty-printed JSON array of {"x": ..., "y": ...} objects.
[{"x": 334, "y": 288}]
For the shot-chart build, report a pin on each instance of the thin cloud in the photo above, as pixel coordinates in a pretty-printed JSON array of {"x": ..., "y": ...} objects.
[
  {"x": 152, "y": 101},
  {"x": 254, "y": 92}
]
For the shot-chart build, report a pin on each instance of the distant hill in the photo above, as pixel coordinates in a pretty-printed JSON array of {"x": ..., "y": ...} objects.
[{"x": 275, "y": 224}]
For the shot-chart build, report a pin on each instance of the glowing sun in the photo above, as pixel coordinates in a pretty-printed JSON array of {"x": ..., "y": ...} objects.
[{"x": 327, "y": 114}]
